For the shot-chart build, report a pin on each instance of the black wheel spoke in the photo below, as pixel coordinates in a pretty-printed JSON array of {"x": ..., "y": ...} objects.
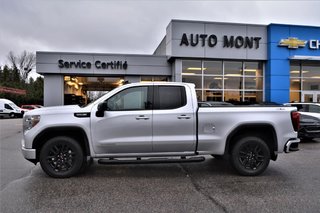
[
  {"x": 61, "y": 157},
  {"x": 251, "y": 156},
  {"x": 55, "y": 150}
]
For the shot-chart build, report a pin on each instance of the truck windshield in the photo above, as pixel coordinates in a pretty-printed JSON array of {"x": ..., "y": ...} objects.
[{"x": 13, "y": 106}]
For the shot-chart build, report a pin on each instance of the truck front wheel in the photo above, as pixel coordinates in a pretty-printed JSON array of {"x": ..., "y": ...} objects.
[
  {"x": 61, "y": 157},
  {"x": 250, "y": 156}
]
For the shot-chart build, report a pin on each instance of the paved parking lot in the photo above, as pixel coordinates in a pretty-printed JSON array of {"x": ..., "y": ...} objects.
[{"x": 291, "y": 184}]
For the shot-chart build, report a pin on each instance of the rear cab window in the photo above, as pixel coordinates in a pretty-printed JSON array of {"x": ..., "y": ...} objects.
[{"x": 170, "y": 97}]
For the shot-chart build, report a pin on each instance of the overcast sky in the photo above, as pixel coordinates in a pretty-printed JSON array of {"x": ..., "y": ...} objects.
[{"x": 119, "y": 26}]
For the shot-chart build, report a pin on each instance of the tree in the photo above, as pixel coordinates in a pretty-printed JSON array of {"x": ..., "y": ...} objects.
[{"x": 24, "y": 63}]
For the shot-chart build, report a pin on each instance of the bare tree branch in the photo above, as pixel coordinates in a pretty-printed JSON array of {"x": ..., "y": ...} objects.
[
  {"x": 24, "y": 63},
  {"x": 12, "y": 59}
]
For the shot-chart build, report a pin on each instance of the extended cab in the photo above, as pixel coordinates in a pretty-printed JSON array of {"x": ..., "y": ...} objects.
[{"x": 146, "y": 121}]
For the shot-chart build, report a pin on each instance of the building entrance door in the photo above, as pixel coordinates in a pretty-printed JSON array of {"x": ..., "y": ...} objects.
[{"x": 310, "y": 96}]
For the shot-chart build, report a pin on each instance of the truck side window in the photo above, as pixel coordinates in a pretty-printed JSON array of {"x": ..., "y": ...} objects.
[
  {"x": 135, "y": 98},
  {"x": 7, "y": 106},
  {"x": 171, "y": 97}
]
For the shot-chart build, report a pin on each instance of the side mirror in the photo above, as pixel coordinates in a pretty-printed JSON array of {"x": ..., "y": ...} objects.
[{"x": 101, "y": 108}]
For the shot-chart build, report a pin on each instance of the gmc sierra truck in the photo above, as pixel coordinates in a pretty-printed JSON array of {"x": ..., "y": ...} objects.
[{"x": 156, "y": 122}]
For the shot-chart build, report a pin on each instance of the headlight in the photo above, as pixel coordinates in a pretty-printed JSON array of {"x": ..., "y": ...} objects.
[{"x": 30, "y": 121}]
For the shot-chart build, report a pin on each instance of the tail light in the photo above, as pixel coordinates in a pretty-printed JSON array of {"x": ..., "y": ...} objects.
[{"x": 295, "y": 119}]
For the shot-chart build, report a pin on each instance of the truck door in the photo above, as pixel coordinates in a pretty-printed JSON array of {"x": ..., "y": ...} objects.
[
  {"x": 126, "y": 126},
  {"x": 173, "y": 120}
]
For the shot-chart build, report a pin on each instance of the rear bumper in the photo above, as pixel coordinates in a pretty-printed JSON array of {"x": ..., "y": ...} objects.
[{"x": 292, "y": 145}]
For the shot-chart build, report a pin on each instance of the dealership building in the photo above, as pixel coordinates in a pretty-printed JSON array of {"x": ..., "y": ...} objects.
[{"x": 226, "y": 62}]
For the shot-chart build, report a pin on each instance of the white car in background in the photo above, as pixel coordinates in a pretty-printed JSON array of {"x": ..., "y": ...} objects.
[
  {"x": 310, "y": 109},
  {"x": 9, "y": 109},
  {"x": 309, "y": 120}
]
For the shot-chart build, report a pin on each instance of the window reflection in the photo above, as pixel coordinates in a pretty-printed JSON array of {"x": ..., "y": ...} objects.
[
  {"x": 193, "y": 79},
  {"x": 212, "y": 82},
  {"x": 225, "y": 80},
  {"x": 191, "y": 67},
  {"x": 304, "y": 81},
  {"x": 212, "y": 67},
  {"x": 232, "y": 82},
  {"x": 253, "y": 69}
]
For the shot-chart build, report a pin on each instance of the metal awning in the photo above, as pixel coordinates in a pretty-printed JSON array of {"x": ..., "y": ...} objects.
[{"x": 305, "y": 57}]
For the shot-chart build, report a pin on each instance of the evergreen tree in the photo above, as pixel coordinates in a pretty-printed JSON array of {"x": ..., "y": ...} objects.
[{"x": 11, "y": 77}]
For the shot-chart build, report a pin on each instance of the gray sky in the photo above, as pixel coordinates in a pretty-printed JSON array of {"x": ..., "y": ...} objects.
[{"x": 119, "y": 26}]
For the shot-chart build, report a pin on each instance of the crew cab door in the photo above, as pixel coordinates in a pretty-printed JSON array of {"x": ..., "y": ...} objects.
[
  {"x": 173, "y": 120},
  {"x": 126, "y": 125}
]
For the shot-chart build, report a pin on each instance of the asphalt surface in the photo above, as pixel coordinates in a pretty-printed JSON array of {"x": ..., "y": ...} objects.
[{"x": 291, "y": 184}]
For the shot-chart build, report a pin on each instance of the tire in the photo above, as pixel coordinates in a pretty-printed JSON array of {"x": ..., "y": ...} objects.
[
  {"x": 12, "y": 115},
  {"x": 61, "y": 157},
  {"x": 250, "y": 156}
]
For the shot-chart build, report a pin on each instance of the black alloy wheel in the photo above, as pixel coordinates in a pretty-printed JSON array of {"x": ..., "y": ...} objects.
[
  {"x": 61, "y": 157},
  {"x": 250, "y": 156}
]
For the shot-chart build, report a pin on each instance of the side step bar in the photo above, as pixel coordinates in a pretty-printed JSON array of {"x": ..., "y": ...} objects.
[{"x": 151, "y": 160}]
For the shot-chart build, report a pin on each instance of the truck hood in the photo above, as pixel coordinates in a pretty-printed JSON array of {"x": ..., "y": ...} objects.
[{"x": 55, "y": 110}]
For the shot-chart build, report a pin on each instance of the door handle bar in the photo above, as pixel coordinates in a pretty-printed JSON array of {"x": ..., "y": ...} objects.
[
  {"x": 184, "y": 117},
  {"x": 142, "y": 117}
]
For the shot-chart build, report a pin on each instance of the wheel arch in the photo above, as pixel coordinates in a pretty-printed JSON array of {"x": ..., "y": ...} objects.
[
  {"x": 264, "y": 131},
  {"x": 74, "y": 132}
]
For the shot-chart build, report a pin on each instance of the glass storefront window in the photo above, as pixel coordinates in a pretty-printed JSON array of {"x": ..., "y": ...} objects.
[
  {"x": 253, "y": 96},
  {"x": 254, "y": 83},
  {"x": 212, "y": 82},
  {"x": 199, "y": 94},
  {"x": 82, "y": 89},
  {"x": 233, "y": 81},
  {"x": 295, "y": 70},
  {"x": 232, "y": 96},
  {"x": 192, "y": 67},
  {"x": 213, "y": 95},
  {"x": 253, "y": 69},
  {"x": 233, "y": 69},
  {"x": 294, "y": 96},
  {"x": 311, "y": 70},
  {"x": 304, "y": 81},
  {"x": 212, "y": 68},
  {"x": 154, "y": 78},
  {"x": 311, "y": 84},
  {"x": 197, "y": 80},
  {"x": 295, "y": 84}
]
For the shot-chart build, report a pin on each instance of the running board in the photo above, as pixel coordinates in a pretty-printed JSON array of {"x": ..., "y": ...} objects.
[{"x": 151, "y": 160}]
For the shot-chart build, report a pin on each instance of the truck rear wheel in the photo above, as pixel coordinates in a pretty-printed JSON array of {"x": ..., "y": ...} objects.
[
  {"x": 250, "y": 156},
  {"x": 61, "y": 157}
]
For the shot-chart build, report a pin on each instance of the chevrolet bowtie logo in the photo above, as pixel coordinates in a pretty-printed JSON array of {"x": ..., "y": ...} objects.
[{"x": 292, "y": 43}]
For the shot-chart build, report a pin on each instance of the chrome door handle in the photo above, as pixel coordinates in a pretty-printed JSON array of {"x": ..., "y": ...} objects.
[
  {"x": 184, "y": 117},
  {"x": 142, "y": 117}
]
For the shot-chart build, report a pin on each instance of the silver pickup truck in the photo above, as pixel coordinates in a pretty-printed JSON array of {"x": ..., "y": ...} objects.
[{"x": 152, "y": 123}]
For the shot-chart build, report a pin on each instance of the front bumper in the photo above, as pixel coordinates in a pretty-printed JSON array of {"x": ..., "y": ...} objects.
[
  {"x": 27, "y": 153},
  {"x": 292, "y": 145}
]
